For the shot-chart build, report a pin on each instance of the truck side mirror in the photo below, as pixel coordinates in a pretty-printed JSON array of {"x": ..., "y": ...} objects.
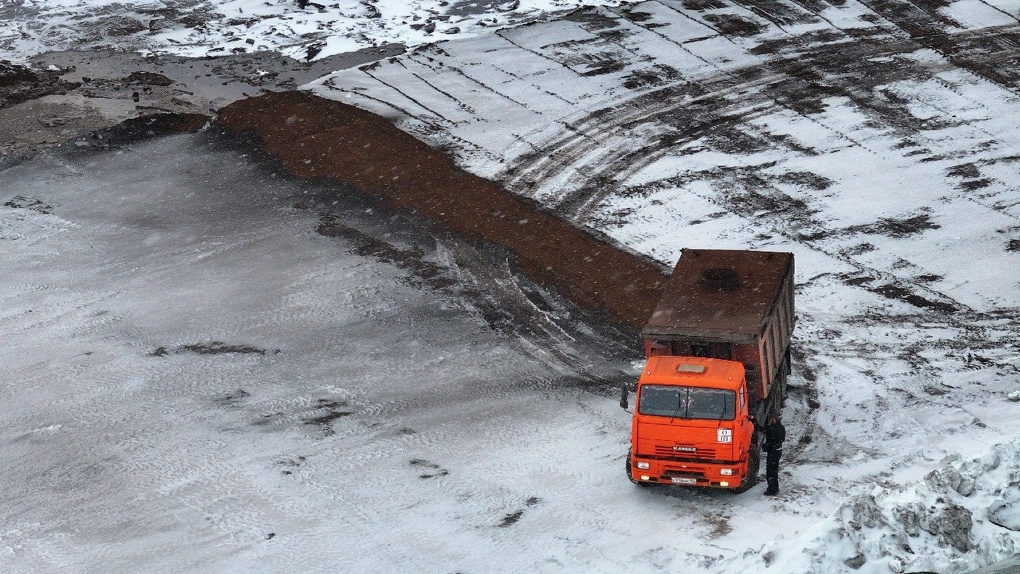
[{"x": 623, "y": 398}]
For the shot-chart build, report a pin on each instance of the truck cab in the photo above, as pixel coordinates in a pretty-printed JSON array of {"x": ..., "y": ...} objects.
[{"x": 691, "y": 424}]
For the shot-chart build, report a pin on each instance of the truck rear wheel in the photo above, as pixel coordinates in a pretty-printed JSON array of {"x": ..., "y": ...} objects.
[{"x": 753, "y": 467}]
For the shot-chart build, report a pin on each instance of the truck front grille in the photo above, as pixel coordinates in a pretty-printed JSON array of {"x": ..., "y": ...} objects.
[{"x": 685, "y": 451}]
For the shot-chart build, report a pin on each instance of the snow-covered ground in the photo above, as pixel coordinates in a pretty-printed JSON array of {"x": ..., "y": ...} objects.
[
  {"x": 302, "y": 29},
  {"x": 889, "y": 167},
  {"x": 197, "y": 381}
]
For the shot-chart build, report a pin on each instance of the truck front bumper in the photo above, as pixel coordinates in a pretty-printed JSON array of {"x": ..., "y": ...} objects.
[{"x": 718, "y": 474}]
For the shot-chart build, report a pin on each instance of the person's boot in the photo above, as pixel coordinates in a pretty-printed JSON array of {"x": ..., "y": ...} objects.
[{"x": 771, "y": 492}]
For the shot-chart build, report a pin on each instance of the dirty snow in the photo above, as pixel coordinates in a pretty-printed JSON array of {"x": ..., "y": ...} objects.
[
  {"x": 197, "y": 381},
  {"x": 296, "y": 28}
]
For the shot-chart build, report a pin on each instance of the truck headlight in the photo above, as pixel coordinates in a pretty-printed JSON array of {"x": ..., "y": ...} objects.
[
  {"x": 726, "y": 471},
  {"x": 642, "y": 465}
]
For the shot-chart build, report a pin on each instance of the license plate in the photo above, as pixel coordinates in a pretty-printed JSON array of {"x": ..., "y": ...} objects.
[{"x": 681, "y": 480}]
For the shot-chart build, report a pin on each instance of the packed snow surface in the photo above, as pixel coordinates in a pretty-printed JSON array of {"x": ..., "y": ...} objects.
[{"x": 196, "y": 381}]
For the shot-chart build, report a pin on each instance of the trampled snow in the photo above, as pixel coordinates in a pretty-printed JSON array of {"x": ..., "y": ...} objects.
[{"x": 197, "y": 381}]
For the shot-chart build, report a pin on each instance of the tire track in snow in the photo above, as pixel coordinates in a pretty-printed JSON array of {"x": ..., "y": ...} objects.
[
  {"x": 422, "y": 456},
  {"x": 586, "y": 136},
  {"x": 930, "y": 27},
  {"x": 537, "y": 321}
]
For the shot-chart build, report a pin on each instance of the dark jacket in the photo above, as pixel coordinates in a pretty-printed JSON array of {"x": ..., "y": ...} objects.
[{"x": 775, "y": 434}]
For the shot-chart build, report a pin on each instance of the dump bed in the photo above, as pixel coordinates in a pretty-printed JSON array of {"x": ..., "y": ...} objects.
[{"x": 723, "y": 296}]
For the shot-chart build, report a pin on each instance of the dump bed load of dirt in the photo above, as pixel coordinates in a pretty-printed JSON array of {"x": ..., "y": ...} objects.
[
  {"x": 319, "y": 138},
  {"x": 722, "y": 295}
]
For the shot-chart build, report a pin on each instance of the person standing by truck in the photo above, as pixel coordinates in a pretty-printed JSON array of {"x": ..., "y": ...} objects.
[{"x": 775, "y": 434}]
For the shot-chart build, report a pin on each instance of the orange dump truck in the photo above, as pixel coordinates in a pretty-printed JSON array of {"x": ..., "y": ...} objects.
[{"x": 718, "y": 350}]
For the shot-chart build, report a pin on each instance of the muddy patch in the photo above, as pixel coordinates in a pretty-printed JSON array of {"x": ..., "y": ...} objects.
[
  {"x": 211, "y": 348},
  {"x": 718, "y": 525},
  {"x": 327, "y": 411},
  {"x": 21, "y": 84},
  {"x": 233, "y": 398},
  {"x": 136, "y": 84},
  {"x": 289, "y": 465},
  {"x": 426, "y": 273},
  {"x": 319, "y": 415},
  {"x": 702, "y": 5},
  {"x": 25, "y": 202},
  {"x": 746, "y": 192},
  {"x": 513, "y": 517},
  {"x": 138, "y": 129},
  {"x": 734, "y": 25},
  {"x": 221, "y": 348},
  {"x": 965, "y": 170},
  {"x": 896, "y": 227},
  {"x": 432, "y": 470},
  {"x": 657, "y": 75},
  {"x": 805, "y": 179},
  {"x": 898, "y": 292},
  {"x": 975, "y": 184}
]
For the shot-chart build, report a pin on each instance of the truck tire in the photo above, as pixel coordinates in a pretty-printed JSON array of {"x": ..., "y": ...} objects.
[{"x": 753, "y": 467}]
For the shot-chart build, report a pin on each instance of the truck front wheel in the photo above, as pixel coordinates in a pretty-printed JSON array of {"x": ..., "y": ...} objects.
[{"x": 753, "y": 467}]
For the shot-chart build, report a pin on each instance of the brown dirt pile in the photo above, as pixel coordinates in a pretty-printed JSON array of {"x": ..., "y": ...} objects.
[{"x": 318, "y": 138}]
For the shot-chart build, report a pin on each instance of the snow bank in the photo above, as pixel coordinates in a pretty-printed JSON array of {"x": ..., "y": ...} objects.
[{"x": 963, "y": 516}]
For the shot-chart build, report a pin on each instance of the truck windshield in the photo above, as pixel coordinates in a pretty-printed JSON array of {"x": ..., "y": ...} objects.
[{"x": 687, "y": 402}]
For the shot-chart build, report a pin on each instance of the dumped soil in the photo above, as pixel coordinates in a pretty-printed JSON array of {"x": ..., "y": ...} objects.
[
  {"x": 20, "y": 84},
  {"x": 316, "y": 138},
  {"x": 124, "y": 99},
  {"x": 60, "y": 96}
]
